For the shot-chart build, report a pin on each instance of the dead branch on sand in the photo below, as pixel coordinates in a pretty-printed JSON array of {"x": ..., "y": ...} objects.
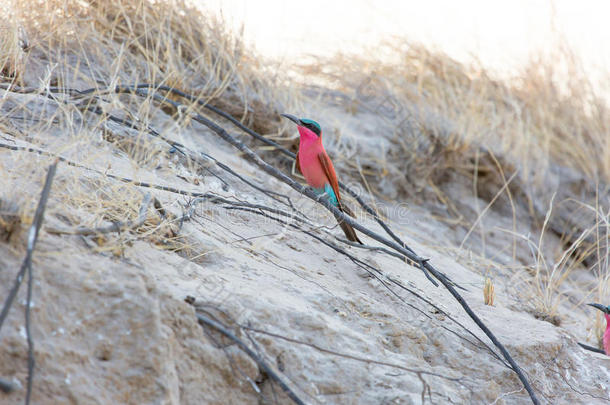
[{"x": 26, "y": 266}]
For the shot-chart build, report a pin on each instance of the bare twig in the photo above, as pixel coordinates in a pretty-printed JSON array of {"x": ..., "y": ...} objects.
[
  {"x": 191, "y": 155},
  {"x": 205, "y": 321},
  {"x": 591, "y": 348},
  {"x": 350, "y": 356},
  {"x": 377, "y": 249},
  {"x": 32, "y": 238},
  {"x": 27, "y": 266},
  {"x": 504, "y": 395},
  {"x": 219, "y": 199},
  {"x": 105, "y": 174}
]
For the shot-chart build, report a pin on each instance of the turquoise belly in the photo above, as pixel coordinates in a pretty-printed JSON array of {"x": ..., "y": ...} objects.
[{"x": 331, "y": 194}]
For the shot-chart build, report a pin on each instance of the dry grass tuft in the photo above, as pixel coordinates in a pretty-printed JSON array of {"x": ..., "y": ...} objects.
[
  {"x": 102, "y": 43},
  {"x": 488, "y": 292},
  {"x": 10, "y": 218},
  {"x": 441, "y": 113},
  {"x": 13, "y": 43}
]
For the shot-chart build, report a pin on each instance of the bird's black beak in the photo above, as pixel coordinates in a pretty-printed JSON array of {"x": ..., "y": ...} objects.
[
  {"x": 600, "y": 307},
  {"x": 292, "y": 118}
]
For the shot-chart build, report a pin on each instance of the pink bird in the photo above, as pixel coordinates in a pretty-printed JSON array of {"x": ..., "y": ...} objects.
[
  {"x": 315, "y": 165},
  {"x": 606, "y": 311}
]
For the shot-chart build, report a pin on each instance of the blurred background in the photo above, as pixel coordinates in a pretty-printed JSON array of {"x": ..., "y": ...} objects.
[{"x": 501, "y": 35}]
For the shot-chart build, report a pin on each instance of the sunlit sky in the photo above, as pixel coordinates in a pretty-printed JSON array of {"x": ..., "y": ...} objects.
[{"x": 501, "y": 34}]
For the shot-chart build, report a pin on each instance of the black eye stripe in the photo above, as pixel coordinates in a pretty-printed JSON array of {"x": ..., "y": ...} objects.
[{"x": 311, "y": 126}]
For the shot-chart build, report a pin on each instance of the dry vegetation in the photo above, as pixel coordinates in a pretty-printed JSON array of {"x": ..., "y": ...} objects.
[
  {"x": 534, "y": 150},
  {"x": 102, "y": 44}
]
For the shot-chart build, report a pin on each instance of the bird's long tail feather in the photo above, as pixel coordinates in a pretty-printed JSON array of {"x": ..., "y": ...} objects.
[{"x": 350, "y": 233}]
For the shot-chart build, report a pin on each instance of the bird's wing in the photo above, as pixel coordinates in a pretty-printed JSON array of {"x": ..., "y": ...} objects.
[
  {"x": 298, "y": 165},
  {"x": 329, "y": 170}
]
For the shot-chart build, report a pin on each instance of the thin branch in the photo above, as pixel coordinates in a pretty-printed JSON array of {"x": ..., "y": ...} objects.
[
  {"x": 591, "y": 348},
  {"x": 378, "y": 249},
  {"x": 28, "y": 333},
  {"x": 31, "y": 244},
  {"x": 504, "y": 395},
  {"x": 350, "y": 356},
  {"x": 205, "y": 321},
  {"x": 272, "y": 194},
  {"x": 191, "y": 155},
  {"x": 69, "y": 162},
  {"x": 173, "y": 190},
  {"x": 27, "y": 266}
]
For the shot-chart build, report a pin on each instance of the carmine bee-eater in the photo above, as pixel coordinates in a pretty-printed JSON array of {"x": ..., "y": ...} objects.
[
  {"x": 606, "y": 311},
  {"x": 315, "y": 165}
]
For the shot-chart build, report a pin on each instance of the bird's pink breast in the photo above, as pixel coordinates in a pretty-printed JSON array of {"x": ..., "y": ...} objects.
[{"x": 310, "y": 147}]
